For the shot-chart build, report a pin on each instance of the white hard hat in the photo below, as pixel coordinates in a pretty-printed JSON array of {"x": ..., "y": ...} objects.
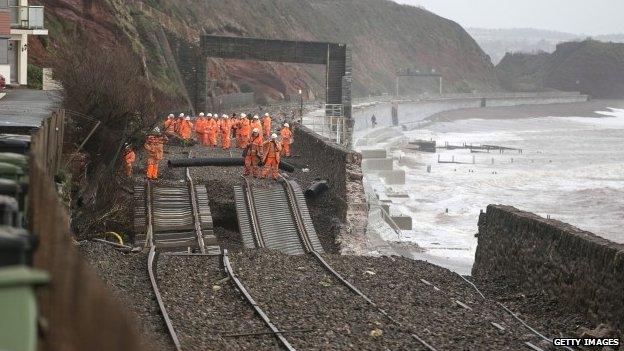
[
  {"x": 266, "y": 114},
  {"x": 181, "y": 115},
  {"x": 210, "y": 115},
  {"x": 255, "y": 130},
  {"x": 256, "y": 117},
  {"x": 286, "y": 125},
  {"x": 187, "y": 118},
  {"x": 215, "y": 115},
  {"x": 224, "y": 116},
  {"x": 156, "y": 130},
  {"x": 201, "y": 114},
  {"x": 273, "y": 136},
  {"x": 243, "y": 115},
  {"x": 171, "y": 115}
]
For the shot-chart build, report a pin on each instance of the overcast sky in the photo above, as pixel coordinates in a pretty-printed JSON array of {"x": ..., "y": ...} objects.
[{"x": 590, "y": 17}]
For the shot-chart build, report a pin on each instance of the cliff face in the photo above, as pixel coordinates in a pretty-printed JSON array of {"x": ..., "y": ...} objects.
[
  {"x": 383, "y": 35},
  {"x": 591, "y": 67}
]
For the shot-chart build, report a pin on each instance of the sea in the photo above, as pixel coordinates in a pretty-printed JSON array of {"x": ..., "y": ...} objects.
[{"x": 570, "y": 169}]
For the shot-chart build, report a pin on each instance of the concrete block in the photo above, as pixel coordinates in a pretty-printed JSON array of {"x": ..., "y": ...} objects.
[
  {"x": 403, "y": 222},
  {"x": 396, "y": 177},
  {"x": 377, "y": 164},
  {"x": 374, "y": 153}
]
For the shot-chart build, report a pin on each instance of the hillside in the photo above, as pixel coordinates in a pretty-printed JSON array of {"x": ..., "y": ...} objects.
[
  {"x": 591, "y": 67},
  {"x": 498, "y": 42},
  {"x": 383, "y": 35}
]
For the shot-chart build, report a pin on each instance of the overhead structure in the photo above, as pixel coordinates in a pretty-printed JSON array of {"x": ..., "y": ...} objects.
[{"x": 336, "y": 57}]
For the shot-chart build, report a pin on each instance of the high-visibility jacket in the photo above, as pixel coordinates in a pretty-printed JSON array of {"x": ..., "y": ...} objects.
[
  {"x": 286, "y": 134},
  {"x": 186, "y": 127},
  {"x": 169, "y": 126},
  {"x": 271, "y": 149},
  {"x": 154, "y": 145},
  {"x": 199, "y": 125},
  {"x": 266, "y": 125}
]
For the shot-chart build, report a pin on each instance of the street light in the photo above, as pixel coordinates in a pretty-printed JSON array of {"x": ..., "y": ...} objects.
[{"x": 301, "y": 103}]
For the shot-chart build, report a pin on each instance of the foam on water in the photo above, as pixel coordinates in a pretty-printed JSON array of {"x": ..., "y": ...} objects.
[{"x": 571, "y": 168}]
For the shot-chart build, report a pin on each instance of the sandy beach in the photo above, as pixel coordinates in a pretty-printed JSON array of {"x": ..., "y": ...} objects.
[{"x": 585, "y": 109}]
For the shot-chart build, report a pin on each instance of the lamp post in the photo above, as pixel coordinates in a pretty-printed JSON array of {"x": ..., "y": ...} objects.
[{"x": 301, "y": 104}]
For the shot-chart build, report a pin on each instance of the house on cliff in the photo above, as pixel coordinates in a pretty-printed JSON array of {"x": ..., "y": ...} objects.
[{"x": 18, "y": 20}]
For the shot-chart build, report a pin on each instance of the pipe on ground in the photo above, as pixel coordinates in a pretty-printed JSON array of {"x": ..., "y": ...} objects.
[
  {"x": 219, "y": 162},
  {"x": 316, "y": 189}
]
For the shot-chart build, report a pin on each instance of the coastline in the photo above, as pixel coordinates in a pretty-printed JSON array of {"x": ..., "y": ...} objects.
[{"x": 574, "y": 109}]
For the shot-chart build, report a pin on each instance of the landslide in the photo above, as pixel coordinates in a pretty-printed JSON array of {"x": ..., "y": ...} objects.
[
  {"x": 383, "y": 35},
  {"x": 591, "y": 67}
]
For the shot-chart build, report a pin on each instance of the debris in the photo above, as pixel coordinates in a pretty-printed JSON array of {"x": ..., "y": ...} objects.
[
  {"x": 370, "y": 272},
  {"x": 375, "y": 333},
  {"x": 216, "y": 287}
]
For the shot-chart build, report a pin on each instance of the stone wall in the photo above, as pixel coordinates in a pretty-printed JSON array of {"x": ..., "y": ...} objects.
[
  {"x": 583, "y": 271},
  {"x": 342, "y": 168}
]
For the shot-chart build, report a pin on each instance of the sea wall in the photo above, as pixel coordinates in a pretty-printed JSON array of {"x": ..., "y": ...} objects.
[
  {"x": 415, "y": 110},
  {"x": 581, "y": 270},
  {"x": 342, "y": 168}
]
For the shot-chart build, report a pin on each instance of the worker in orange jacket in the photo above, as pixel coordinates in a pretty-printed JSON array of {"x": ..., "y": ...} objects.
[
  {"x": 186, "y": 129},
  {"x": 253, "y": 154},
  {"x": 266, "y": 125},
  {"x": 225, "y": 127},
  {"x": 236, "y": 124},
  {"x": 271, "y": 157},
  {"x": 199, "y": 126},
  {"x": 170, "y": 125},
  {"x": 178, "y": 123},
  {"x": 154, "y": 145},
  {"x": 245, "y": 131},
  {"x": 286, "y": 135},
  {"x": 129, "y": 157},
  {"x": 212, "y": 129},
  {"x": 256, "y": 124}
]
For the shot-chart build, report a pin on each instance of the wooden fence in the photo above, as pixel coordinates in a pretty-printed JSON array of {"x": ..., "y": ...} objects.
[{"x": 78, "y": 309}]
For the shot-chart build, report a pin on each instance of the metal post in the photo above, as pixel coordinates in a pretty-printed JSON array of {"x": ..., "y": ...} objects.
[{"x": 301, "y": 104}]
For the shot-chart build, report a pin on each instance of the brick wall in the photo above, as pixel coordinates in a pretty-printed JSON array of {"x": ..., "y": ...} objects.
[
  {"x": 579, "y": 269},
  {"x": 5, "y": 23},
  {"x": 342, "y": 168}
]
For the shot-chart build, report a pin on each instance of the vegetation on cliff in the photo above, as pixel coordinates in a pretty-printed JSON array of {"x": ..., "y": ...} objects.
[
  {"x": 384, "y": 37},
  {"x": 591, "y": 67}
]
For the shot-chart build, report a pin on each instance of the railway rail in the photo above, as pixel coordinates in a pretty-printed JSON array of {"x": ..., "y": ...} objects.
[
  {"x": 176, "y": 220},
  {"x": 292, "y": 224}
]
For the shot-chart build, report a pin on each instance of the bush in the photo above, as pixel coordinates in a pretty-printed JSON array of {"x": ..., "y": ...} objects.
[
  {"x": 107, "y": 84},
  {"x": 35, "y": 77}
]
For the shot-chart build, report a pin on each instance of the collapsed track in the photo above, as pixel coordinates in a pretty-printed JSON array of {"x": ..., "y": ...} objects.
[{"x": 288, "y": 229}]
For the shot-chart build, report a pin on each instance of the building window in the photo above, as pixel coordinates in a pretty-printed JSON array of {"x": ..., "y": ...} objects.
[
  {"x": 4, "y": 4},
  {"x": 4, "y": 50}
]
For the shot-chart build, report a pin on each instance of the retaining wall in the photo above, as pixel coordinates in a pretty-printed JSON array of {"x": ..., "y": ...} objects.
[
  {"x": 342, "y": 168},
  {"x": 581, "y": 270}
]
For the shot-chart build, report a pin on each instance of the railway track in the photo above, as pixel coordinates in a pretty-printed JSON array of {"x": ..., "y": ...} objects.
[
  {"x": 175, "y": 219},
  {"x": 286, "y": 226}
]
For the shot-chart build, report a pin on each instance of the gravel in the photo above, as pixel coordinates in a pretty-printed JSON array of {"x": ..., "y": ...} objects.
[
  {"x": 537, "y": 308},
  {"x": 127, "y": 277},
  {"x": 431, "y": 308},
  {"x": 297, "y": 294},
  {"x": 205, "y": 308}
]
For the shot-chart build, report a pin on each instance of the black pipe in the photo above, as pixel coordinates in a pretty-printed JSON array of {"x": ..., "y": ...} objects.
[
  {"x": 316, "y": 189},
  {"x": 219, "y": 162},
  {"x": 14, "y": 145}
]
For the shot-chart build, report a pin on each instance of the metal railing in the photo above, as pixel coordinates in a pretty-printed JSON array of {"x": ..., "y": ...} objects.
[
  {"x": 331, "y": 125},
  {"x": 27, "y": 17}
]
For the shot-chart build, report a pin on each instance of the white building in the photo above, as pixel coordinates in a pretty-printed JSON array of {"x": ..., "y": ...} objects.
[{"x": 17, "y": 22}]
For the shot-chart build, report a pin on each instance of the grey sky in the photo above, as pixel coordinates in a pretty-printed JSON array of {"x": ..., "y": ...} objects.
[{"x": 590, "y": 17}]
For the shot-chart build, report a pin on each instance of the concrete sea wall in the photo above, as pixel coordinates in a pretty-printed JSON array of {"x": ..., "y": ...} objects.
[
  {"x": 581, "y": 270},
  {"x": 414, "y": 110},
  {"x": 342, "y": 168}
]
